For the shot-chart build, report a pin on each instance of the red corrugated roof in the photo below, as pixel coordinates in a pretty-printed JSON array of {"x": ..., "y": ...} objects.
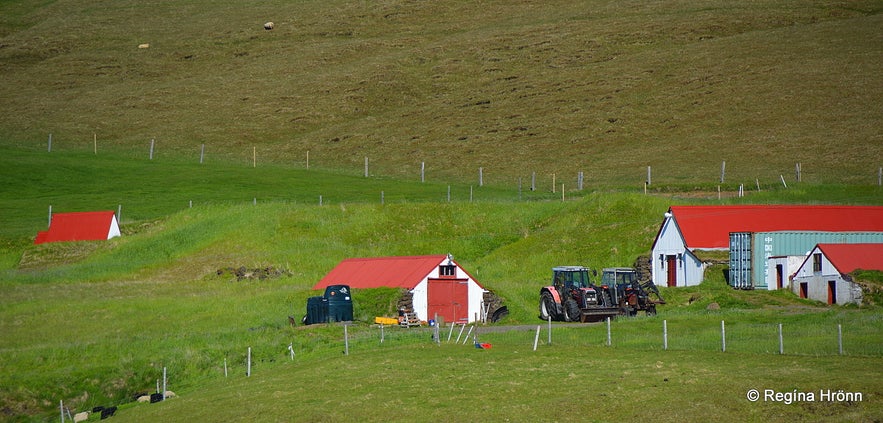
[
  {"x": 78, "y": 226},
  {"x": 396, "y": 272},
  {"x": 849, "y": 257},
  {"x": 706, "y": 227}
]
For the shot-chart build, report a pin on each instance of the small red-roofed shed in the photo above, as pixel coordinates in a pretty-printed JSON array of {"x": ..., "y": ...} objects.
[
  {"x": 438, "y": 284},
  {"x": 80, "y": 226},
  {"x": 824, "y": 274}
]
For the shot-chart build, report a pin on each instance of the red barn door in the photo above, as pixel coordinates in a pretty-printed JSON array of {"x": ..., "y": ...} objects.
[{"x": 449, "y": 298}]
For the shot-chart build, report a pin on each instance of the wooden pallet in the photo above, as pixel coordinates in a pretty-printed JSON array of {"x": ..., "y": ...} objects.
[{"x": 408, "y": 320}]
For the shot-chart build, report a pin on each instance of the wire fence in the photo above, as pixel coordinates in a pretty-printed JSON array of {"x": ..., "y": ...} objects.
[{"x": 649, "y": 334}]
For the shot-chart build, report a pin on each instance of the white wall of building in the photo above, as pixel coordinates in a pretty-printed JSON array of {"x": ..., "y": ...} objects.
[
  {"x": 689, "y": 269},
  {"x": 789, "y": 264},
  {"x": 817, "y": 282},
  {"x": 421, "y": 295}
]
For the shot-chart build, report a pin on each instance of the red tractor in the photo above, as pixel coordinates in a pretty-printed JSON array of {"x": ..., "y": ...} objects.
[{"x": 573, "y": 298}]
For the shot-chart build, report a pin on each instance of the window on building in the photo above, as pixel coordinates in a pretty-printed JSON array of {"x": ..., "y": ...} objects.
[
  {"x": 447, "y": 270},
  {"x": 817, "y": 262}
]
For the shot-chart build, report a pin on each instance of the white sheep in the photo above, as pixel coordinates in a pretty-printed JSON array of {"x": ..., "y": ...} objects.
[
  {"x": 269, "y": 25},
  {"x": 81, "y": 417}
]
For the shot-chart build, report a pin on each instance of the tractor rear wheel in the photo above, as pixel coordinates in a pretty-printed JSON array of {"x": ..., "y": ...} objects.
[
  {"x": 571, "y": 309},
  {"x": 548, "y": 308}
]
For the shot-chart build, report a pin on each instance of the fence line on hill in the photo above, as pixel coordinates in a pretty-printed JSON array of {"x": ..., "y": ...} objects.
[
  {"x": 578, "y": 182},
  {"x": 731, "y": 336}
]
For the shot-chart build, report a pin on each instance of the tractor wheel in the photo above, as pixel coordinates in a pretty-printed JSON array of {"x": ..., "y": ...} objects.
[
  {"x": 572, "y": 311},
  {"x": 548, "y": 308},
  {"x": 608, "y": 302},
  {"x": 651, "y": 310}
]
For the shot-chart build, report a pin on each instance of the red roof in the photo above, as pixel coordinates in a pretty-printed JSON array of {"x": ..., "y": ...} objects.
[
  {"x": 396, "y": 272},
  {"x": 849, "y": 257},
  {"x": 706, "y": 227},
  {"x": 79, "y": 226}
]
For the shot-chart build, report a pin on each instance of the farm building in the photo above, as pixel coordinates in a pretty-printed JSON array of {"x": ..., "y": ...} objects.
[
  {"x": 438, "y": 284},
  {"x": 752, "y": 265},
  {"x": 80, "y": 226},
  {"x": 824, "y": 274},
  {"x": 687, "y": 231}
]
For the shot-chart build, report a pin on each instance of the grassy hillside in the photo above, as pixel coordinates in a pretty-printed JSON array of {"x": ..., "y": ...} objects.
[
  {"x": 607, "y": 88},
  {"x": 93, "y": 323},
  {"x": 512, "y": 88}
]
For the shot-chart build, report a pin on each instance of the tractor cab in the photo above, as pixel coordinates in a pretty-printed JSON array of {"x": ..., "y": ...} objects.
[{"x": 571, "y": 277}]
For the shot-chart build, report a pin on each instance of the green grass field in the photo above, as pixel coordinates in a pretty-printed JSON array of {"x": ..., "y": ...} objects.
[{"x": 520, "y": 90}]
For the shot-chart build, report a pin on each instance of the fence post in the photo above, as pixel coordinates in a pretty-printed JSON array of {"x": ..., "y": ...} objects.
[
  {"x": 723, "y": 170},
  {"x": 608, "y": 331},
  {"x": 201, "y": 153},
  {"x": 550, "y": 330},
  {"x": 723, "y": 337},
  {"x": 50, "y": 143},
  {"x": 225, "y": 366},
  {"x": 346, "y": 341},
  {"x": 164, "y": 388},
  {"x": 422, "y": 171},
  {"x": 61, "y": 408},
  {"x": 248, "y": 364},
  {"x": 533, "y": 181},
  {"x": 781, "y": 342},
  {"x": 665, "y": 334},
  {"x": 481, "y": 177},
  {"x": 381, "y": 333},
  {"x": 648, "y": 175},
  {"x": 840, "y": 339},
  {"x": 152, "y": 141},
  {"x": 449, "y": 193},
  {"x": 366, "y": 167},
  {"x": 536, "y": 338}
]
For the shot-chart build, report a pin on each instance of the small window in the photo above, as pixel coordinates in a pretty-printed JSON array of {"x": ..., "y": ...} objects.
[
  {"x": 447, "y": 270},
  {"x": 817, "y": 262}
]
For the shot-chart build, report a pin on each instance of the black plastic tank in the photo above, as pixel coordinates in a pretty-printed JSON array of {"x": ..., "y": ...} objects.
[
  {"x": 340, "y": 303},
  {"x": 317, "y": 310}
]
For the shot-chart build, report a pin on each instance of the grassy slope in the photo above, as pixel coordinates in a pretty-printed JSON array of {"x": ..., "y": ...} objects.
[
  {"x": 116, "y": 311},
  {"x": 606, "y": 88},
  {"x": 515, "y": 87}
]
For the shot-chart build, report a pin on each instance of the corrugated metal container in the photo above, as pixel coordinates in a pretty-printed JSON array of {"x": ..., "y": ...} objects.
[
  {"x": 749, "y": 251},
  {"x": 740, "y": 260}
]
